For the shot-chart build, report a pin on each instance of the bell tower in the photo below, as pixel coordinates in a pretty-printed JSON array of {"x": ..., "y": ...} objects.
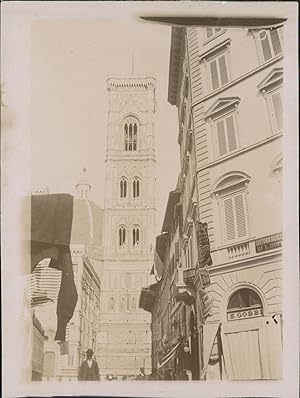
[{"x": 129, "y": 226}]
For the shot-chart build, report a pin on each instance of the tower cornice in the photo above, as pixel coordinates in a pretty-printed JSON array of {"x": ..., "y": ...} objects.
[{"x": 130, "y": 82}]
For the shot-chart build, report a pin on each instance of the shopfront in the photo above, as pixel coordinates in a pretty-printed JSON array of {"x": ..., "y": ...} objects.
[{"x": 247, "y": 344}]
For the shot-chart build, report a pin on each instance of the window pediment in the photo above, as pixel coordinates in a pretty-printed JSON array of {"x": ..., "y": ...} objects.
[
  {"x": 274, "y": 77},
  {"x": 230, "y": 181},
  {"x": 215, "y": 50},
  {"x": 222, "y": 105}
]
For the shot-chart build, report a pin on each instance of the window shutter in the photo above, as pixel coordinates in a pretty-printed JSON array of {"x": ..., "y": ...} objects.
[
  {"x": 209, "y": 32},
  {"x": 223, "y": 70},
  {"x": 240, "y": 216},
  {"x": 229, "y": 219},
  {"x": 265, "y": 45},
  {"x": 277, "y": 105},
  {"x": 214, "y": 74},
  {"x": 221, "y": 137},
  {"x": 275, "y": 41},
  {"x": 231, "y": 133}
]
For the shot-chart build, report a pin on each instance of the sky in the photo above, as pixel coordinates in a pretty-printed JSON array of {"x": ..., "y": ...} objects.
[{"x": 70, "y": 61}]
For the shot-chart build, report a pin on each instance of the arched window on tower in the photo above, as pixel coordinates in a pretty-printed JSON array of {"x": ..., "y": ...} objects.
[
  {"x": 122, "y": 236},
  {"x": 130, "y": 134},
  {"x": 123, "y": 188},
  {"x": 136, "y": 188},
  {"x": 135, "y": 236}
]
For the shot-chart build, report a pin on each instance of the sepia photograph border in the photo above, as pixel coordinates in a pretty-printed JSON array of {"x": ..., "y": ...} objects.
[{"x": 15, "y": 181}]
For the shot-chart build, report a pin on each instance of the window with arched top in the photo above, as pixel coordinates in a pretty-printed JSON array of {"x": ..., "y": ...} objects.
[
  {"x": 130, "y": 134},
  {"x": 244, "y": 303},
  {"x": 123, "y": 188},
  {"x": 136, "y": 188},
  {"x": 231, "y": 198},
  {"x": 135, "y": 236},
  {"x": 122, "y": 236}
]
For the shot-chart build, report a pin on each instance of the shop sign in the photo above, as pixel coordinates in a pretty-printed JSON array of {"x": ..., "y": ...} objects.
[
  {"x": 189, "y": 276},
  {"x": 203, "y": 244},
  {"x": 205, "y": 279},
  {"x": 233, "y": 316},
  {"x": 268, "y": 243}
]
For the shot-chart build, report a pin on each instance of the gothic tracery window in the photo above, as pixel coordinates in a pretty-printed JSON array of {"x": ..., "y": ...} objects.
[
  {"x": 130, "y": 134},
  {"x": 135, "y": 236},
  {"x": 122, "y": 236},
  {"x": 136, "y": 188},
  {"x": 123, "y": 188}
]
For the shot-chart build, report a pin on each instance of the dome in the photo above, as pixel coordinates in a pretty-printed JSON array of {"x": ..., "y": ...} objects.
[{"x": 87, "y": 224}]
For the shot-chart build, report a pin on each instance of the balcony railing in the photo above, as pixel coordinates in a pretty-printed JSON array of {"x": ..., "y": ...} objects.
[
  {"x": 238, "y": 251},
  {"x": 246, "y": 249}
]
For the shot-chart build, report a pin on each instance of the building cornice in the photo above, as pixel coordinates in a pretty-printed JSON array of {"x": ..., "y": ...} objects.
[
  {"x": 131, "y": 158},
  {"x": 175, "y": 60},
  {"x": 130, "y": 82}
]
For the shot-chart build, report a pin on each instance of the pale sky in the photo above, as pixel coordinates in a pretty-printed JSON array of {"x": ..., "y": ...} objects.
[{"x": 70, "y": 60}]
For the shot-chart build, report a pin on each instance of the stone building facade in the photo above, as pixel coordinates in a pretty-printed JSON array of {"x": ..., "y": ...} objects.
[
  {"x": 230, "y": 136},
  {"x": 237, "y": 125}
]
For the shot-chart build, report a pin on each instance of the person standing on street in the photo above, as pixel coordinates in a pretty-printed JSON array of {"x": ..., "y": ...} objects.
[
  {"x": 89, "y": 370},
  {"x": 142, "y": 375}
]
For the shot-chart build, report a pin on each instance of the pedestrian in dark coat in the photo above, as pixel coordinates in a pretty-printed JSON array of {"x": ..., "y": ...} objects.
[
  {"x": 89, "y": 370},
  {"x": 142, "y": 375}
]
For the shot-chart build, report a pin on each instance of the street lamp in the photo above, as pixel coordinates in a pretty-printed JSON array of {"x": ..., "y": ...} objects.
[{"x": 186, "y": 347}]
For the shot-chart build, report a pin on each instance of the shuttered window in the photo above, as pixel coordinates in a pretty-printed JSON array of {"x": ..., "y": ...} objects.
[
  {"x": 277, "y": 109},
  {"x": 226, "y": 135},
  {"x": 235, "y": 217},
  {"x": 210, "y": 32},
  {"x": 270, "y": 43},
  {"x": 218, "y": 72}
]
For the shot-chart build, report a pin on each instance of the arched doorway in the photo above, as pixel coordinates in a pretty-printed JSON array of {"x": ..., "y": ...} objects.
[{"x": 250, "y": 340}]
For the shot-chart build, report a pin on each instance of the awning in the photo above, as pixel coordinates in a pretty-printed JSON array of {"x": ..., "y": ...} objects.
[
  {"x": 169, "y": 355},
  {"x": 147, "y": 298}
]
